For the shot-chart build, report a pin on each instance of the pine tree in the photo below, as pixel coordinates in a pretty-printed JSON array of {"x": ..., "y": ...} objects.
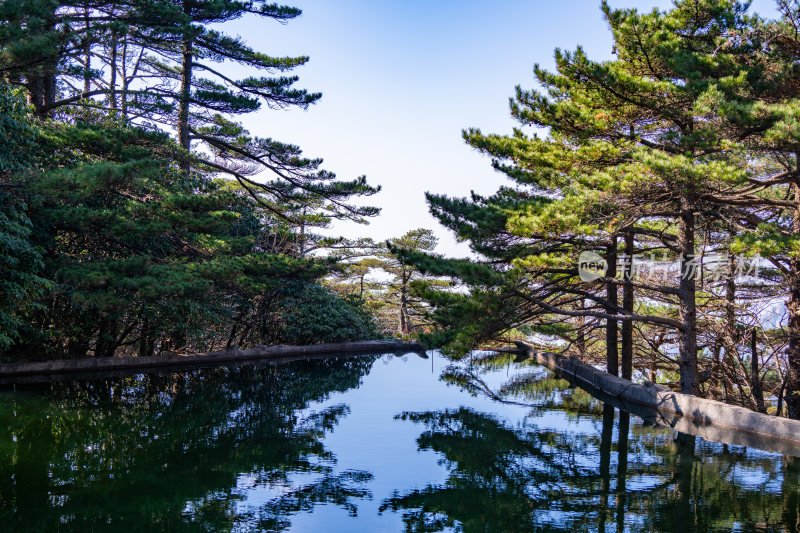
[
  {"x": 399, "y": 295},
  {"x": 772, "y": 227},
  {"x": 160, "y": 62},
  {"x": 147, "y": 246},
  {"x": 635, "y": 146},
  {"x": 20, "y": 257}
]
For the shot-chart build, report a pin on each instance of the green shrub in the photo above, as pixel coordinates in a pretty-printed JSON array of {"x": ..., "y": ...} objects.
[{"x": 311, "y": 313}]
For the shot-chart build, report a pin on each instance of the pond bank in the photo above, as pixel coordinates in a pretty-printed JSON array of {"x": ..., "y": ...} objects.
[
  {"x": 709, "y": 419},
  {"x": 27, "y": 372}
]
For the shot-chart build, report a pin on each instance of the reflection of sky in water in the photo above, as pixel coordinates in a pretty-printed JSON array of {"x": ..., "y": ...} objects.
[
  {"x": 544, "y": 445},
  {"x": 366, "y": 440},
  {"x": 644, "y": 483}
]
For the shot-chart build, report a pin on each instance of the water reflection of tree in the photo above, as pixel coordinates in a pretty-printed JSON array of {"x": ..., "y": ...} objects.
[
  {"x": 529, "y": 385},
  {"x": 166, "y": 451},
  {"x": 524, "y": 478},
  {"x": 499, "y": 476}
]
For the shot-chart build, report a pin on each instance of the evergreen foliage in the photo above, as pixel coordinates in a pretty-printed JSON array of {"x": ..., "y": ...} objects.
[
  {"x": 388, "y": 284},
  {"x": 119, "y": 238},
  {"x": 678, "y": 148}
]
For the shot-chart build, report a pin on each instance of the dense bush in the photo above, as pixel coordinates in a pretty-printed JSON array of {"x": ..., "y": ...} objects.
[{"x": 310, "y": 313}]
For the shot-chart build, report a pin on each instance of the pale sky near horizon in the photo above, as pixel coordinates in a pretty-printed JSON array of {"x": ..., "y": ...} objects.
[{"x": 401, "y": 80}]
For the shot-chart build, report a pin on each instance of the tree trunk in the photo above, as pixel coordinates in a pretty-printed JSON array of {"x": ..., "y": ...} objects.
[
  {"x": 185, "y": 94},
  {"x": 611, "y": 297},
  {"x": 580, "y": 340},
  {"x": 627, "y": 305},
  {"x": 303, "y": 233},
  {"x": 41, "y": 85},
  {"x": 690, "y": 381},
  {"x": 779, "y": 407},
  {"x": 87, "y": 52},
  {"x": 112, "y": 96},
  {"x": 622, "y": 467},
  {"x": 684, "y": 465},
  {"x": 185, "y": 91},
  {"x": 123, "y": 97},
  {"x": 755, "y": 378},
  {"x": 790, "y": 512},
  {"x": 793, "y": 350},
  {"x": 730, "y": 337},
  {"x": 605, "y": 462},
  {"x": 41, "y": 93},
  {"x": 722, "y": 372},
  {"x": 404, "y": 325},
  {"x": 106, "y": 338},
  {"x": 147, "y": 340}
]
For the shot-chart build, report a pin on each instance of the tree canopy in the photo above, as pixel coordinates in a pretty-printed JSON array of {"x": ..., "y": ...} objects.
[{"x": 138, "y": 214}]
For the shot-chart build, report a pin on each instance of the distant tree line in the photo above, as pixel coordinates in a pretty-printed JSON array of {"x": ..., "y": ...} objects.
[
  {"x": 684, "y": 149},
  {"x": 374, "y": 273}
]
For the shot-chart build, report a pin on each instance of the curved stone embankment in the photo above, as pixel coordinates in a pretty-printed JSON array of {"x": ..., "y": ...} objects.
[
  {"x": 710, "y": 419},
  {"x": 27, "y": 372}
]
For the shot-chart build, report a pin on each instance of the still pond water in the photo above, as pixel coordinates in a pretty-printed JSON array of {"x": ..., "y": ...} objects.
[{"x": 367, "y": 443}]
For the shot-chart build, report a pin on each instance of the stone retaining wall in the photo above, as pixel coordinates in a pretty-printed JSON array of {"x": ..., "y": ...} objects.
[
  {"x": 715, "y": 417},
  {"x": 10, "y": 372}
]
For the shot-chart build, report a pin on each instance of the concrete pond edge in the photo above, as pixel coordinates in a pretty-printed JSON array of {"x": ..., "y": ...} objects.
[
  {"x": 710, "y": 419},
  {"x": 11, "y": 371}
]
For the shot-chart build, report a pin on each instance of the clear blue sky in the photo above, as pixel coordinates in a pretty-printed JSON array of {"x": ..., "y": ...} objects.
[{"x": 401, "y": 79}]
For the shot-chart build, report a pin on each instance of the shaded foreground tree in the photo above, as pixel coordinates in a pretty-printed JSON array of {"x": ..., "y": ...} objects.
[{"x": 130, "y": 199}]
